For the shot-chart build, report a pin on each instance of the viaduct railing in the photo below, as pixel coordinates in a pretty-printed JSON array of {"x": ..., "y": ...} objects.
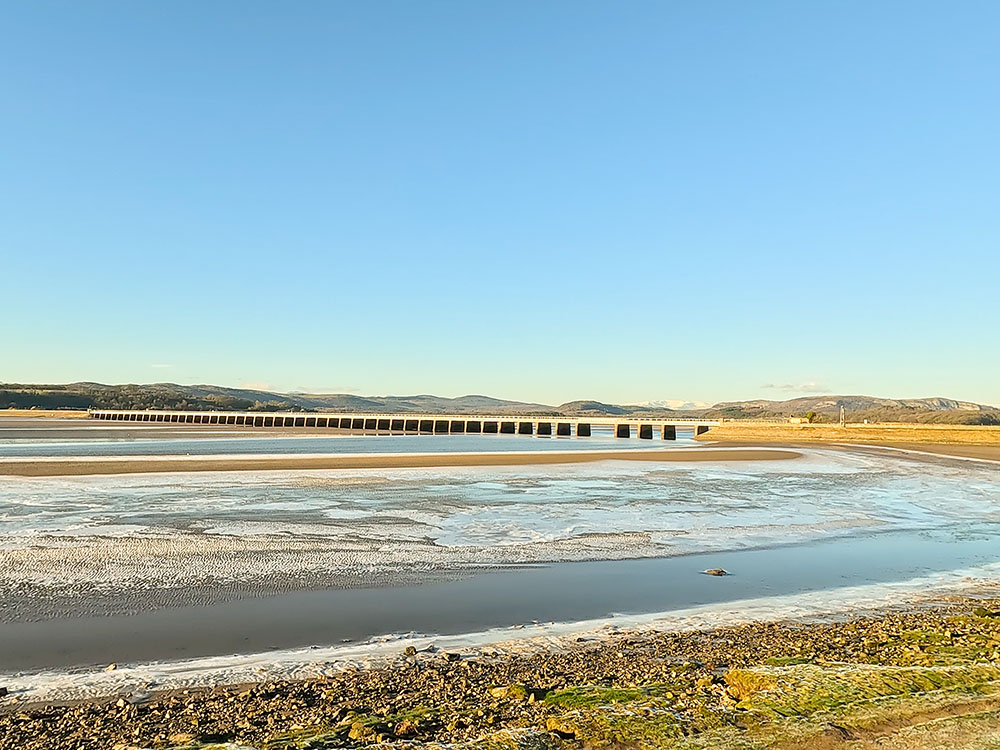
[{"x": 428, "y": 424}]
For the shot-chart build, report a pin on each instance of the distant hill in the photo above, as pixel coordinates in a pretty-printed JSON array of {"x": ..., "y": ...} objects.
[
  {"x": 595, "y": 408},
  {"x": 672, "y": 404},
  {"x": 858, "y": 408},
  {"x": 173, "y": 396},
  {"x": 211, "y": 397}
]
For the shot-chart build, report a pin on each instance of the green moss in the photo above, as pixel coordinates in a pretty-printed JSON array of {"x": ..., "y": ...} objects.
[{"x": 641, "y": 730}]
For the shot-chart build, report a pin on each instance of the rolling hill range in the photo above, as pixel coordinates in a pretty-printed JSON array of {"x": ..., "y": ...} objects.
[
  {"x": 199, "y": 397},
  {"x": 858, "y": 408}
]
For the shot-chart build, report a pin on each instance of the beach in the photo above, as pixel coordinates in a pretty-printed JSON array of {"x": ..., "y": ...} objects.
[{"x": 890, "y": 679}]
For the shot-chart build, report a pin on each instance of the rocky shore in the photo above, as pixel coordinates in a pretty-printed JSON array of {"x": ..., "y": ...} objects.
[{"x": 926, "y": 676}]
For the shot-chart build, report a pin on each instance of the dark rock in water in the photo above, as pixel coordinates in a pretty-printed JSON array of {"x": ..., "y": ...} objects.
[
  {"x": 409, "y": 651},
  {"x": 3, "y": 692},
  {"x": 716, "y": 572}
]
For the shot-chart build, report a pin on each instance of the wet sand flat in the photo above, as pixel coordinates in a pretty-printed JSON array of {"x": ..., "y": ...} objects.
[
  {"x": 79, "y": 467},
  {"x": 977, "y": 452},
  {"x": 981, "y": 452}
]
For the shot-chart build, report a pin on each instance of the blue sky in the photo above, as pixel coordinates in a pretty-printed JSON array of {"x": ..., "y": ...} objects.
[{"x": 545, "y": 201}]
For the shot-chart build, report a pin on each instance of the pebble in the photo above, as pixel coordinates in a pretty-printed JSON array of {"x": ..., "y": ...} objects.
[{"x": 461, "y": 700}]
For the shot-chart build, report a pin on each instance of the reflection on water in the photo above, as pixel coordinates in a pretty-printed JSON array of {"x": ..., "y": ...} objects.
[{"x": 328, "y": 444}]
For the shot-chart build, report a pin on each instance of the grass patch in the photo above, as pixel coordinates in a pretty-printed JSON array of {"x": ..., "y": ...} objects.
[{"x": 786, "y": 661}]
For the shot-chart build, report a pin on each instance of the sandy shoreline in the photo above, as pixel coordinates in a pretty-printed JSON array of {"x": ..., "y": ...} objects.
[{"x": 55, "y": 467}]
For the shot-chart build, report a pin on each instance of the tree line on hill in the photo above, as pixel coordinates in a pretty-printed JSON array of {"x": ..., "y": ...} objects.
[
  {"x": 217, "y": 398},
  {"x": 85, "y": 396}
]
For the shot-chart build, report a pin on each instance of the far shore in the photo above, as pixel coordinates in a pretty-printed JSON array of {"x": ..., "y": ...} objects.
[
  {"x": 44, "y": 413},
  {"x": 58, "y": 467},
  {"x": 964, "y": 441}
]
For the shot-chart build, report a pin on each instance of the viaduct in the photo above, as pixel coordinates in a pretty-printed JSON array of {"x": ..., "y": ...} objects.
[{"x": 428, "y": 424}]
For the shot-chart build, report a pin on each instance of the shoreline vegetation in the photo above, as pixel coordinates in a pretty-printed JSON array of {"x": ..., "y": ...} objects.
[{"x": 924, "y": 677}]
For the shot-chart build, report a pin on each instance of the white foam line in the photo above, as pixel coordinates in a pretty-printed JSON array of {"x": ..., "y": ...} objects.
[{"x": 302, "y": 663}]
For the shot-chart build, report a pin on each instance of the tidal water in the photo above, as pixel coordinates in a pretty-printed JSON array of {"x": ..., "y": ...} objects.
[
  {"x": 173, "y": 566},
  {"x": 212, "y": 443}
]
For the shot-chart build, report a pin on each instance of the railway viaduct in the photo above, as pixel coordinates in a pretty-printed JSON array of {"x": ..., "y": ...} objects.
[{"x": 428, "y": 424}]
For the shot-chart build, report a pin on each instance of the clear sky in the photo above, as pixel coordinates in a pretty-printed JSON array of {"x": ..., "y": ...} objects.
[{"x": 545, "y": 201}]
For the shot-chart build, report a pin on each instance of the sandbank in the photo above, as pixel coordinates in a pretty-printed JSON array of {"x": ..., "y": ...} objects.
[
  {"x": 59, "y": 467},
  {"x": 883, "y": 433}
]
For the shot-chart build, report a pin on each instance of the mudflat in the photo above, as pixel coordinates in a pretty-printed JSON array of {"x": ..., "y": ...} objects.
[
  {"x": 981, "y": 452},
  {"x": 54, "y": 467}
]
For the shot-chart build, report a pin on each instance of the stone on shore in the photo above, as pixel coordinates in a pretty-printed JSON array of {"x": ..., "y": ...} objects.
[{"x": 405, "y": 728}]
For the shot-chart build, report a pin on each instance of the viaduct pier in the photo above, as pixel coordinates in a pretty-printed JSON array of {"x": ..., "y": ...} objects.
[{"x": 426, "y": 424}]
